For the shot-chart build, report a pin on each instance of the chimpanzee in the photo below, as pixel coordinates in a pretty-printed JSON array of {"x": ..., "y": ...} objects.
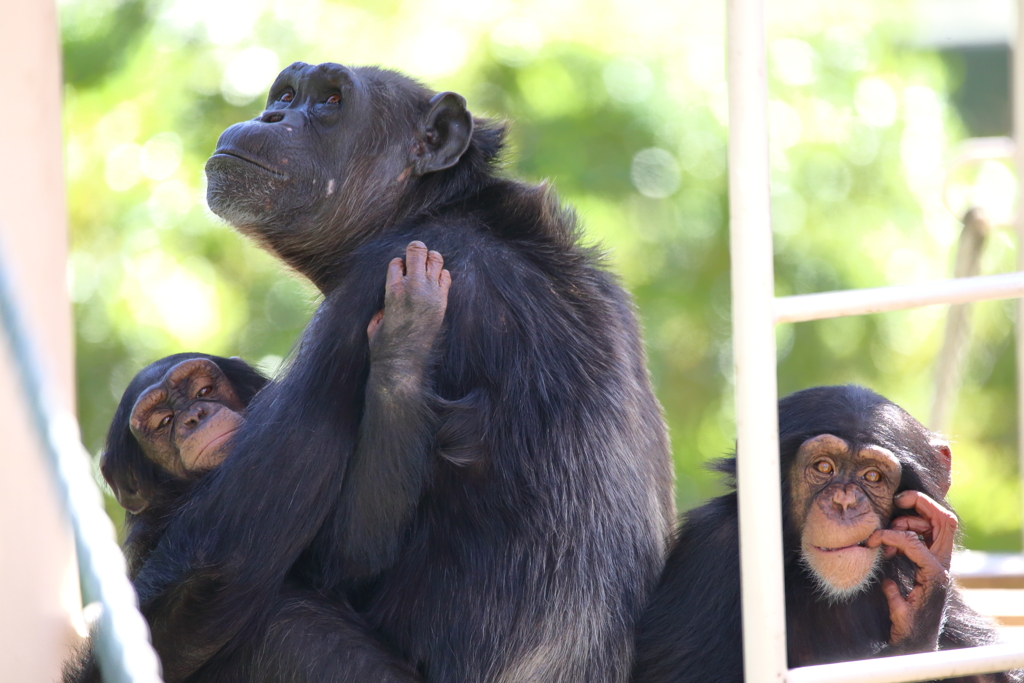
[
  {"x": 174, "y": 424},
  {"x": 170, "y": 428},
  {"x": 868, "y": 538},
  {"x": 519, "y": 540}
]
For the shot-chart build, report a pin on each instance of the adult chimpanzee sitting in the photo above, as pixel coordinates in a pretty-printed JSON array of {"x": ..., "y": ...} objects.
[
  {"x": 868, "y": 538},
  {"x": 174, "y": 425},
  {"x": 528, "y": 549}
]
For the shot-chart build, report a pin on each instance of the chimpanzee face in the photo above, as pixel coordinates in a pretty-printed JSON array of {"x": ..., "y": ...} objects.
[
  {"x": 296, "y": 155},
  {"x": 840, "y": 494},
  {"x": 334, "y": 157},
  {"x": 183, "y": 421}
]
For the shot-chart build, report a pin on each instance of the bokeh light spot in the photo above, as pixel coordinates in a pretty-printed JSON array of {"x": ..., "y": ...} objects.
[
  {"x": 793, "y": 61},
  {"x": 249, "y": 75},
  {"x": 122, "y": 170},
  {"x": 655, "y": 173},
  {"x": 161, "y": 156},
  {"x": 628, "y": 80},
  {"x": 875, "y": 102}
]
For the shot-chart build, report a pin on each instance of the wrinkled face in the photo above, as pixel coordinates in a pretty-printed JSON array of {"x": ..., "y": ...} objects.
[
  {"x": 184, "y": 421},
  {"x": 839, "y": 496},
  {"x": 306, "y": 161}
]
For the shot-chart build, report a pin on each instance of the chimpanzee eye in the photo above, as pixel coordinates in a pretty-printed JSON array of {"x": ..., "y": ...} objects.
[
  {"x": 334, "y": 99},
  {"x": 203, "y": 392},
  {"x": 164, "y": 422},
  {"x": 823, "y": 466},
  {"x": 286, "y": 96},
  {"x": 874, "y": 476}
]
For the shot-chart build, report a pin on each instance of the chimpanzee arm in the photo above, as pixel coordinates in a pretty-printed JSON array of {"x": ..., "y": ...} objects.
[
  {"x": 224, "y": 556},
  {"x": 385, "y": 478},
  {"x": 247, "y": 522}
]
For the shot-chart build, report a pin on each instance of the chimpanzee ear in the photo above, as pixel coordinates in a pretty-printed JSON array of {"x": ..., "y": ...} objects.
[
  {"x": 444, "y": 134},
  {"x": 125, "y": 488},
  {"x": 944, "y": 462},
  {"x": 130, "y": 499}
]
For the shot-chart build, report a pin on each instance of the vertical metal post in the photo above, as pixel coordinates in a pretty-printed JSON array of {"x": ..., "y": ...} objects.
[
  {"x": 753, "y": 294},
  {"x": 1017, "y": 86}
]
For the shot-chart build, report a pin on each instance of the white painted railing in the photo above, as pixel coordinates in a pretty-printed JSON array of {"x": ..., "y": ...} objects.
[{"x": 755, "y": 312}]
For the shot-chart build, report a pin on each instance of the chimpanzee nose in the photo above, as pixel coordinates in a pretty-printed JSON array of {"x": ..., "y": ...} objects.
[
  {"x": 196, "y": 415},
  {"x": 844, "y": 498},
  {"x": 282, "y": 116}
]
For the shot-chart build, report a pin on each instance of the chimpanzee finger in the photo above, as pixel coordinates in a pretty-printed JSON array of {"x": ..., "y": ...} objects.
[
  {"x": 415, "y": 258},
  {"x": 919, "y": 526},
  {"x": 435, "y": 264},
  {"x": 445, "y": 281},
  {"x": 908, "y": 523},
  {"x": 943, "y": 523},
  {"x": 899, "y": 611},
  {"x": 396, "y": 271},
  {"x": 908, "y": 543}
]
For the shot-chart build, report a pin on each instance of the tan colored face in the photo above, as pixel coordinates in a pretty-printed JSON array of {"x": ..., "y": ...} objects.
[
  {"x": 838, "y": 497},
  {"x": 184, "y": 421}
]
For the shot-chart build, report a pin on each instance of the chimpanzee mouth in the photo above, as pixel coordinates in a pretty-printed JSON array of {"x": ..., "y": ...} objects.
[
  {"x": 234, "y": 154},
  {"x": 212, "y": 448},
  {"x": 862, "y": 544}
]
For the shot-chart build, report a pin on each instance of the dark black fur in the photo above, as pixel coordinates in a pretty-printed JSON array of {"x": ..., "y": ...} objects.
[
  {"x": 525, "y": 546},
  {"x": 691, "y": 630},
  {"x": 300, "y": 622}
]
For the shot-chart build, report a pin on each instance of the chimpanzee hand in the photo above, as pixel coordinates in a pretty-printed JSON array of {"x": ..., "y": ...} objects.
[
  {"x": 416, "y": 296},
  {"x": 928, "y": 541}
]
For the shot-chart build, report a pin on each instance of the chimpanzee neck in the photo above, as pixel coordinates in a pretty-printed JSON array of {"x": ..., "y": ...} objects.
[
  {"x": 504, "y": 207},
  {"x": 326, "y": 260}
]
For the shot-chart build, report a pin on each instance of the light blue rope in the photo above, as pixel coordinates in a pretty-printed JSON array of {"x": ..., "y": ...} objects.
[{"x": 121, "y": 638}]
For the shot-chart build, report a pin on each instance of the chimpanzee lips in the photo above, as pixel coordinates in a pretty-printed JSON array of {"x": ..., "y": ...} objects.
[
  {"x": 862, "y": 544},
  {"x": 228, "y": 153}
]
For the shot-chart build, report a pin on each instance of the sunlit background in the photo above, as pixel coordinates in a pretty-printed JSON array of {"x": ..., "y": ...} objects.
[{"x": 622, "y": 105}]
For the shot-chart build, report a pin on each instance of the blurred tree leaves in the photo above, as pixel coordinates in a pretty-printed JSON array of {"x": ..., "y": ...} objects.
[{"x": 621, "y": 106}]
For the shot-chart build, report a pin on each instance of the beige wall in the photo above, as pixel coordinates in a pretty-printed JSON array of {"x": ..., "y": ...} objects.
[{"x": 38, "y": 579}]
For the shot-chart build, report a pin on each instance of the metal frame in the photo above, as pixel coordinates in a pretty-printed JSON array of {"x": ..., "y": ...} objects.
[{"x": 756, "y": 311}]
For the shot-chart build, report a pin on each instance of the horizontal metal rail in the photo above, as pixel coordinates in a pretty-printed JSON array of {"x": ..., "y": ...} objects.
[
  {"x": 804, "y": 307},
  {"x": 920, "y": 667}
]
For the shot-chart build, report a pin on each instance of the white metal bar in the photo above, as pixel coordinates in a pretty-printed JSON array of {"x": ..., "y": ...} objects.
[
  {"x": 1018, "y": 134},
  {"x": 920, "y": 667},
  {"x": 803, "y": 307},
  {"x": 753, "y": 292}
]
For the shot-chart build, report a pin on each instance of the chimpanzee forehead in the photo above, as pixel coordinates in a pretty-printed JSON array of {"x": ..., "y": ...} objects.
[
  {"x": 193, "y": 367},
  {"x": 830, "y": 445},
  {"x": 328, "y": 75},
  {"x": 172, "y": 381},
  {"x": 301, "y": 74}
]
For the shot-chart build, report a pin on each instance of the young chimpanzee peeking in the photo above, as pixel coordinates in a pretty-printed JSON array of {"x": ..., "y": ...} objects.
[
  {"x": 868, "y": 538},
  {"x": 520, "y": 539},
  {"x": 174, "y": 425}
]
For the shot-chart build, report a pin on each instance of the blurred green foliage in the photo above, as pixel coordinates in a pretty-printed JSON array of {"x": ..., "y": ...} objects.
[{"x": 622, "y": 107}]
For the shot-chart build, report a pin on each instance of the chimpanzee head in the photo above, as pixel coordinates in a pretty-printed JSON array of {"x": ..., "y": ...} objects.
[
  {"x": 340, "y": 154},
  {"x": 845, "y": 453},
  {"x": 174, "y": 422}
]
